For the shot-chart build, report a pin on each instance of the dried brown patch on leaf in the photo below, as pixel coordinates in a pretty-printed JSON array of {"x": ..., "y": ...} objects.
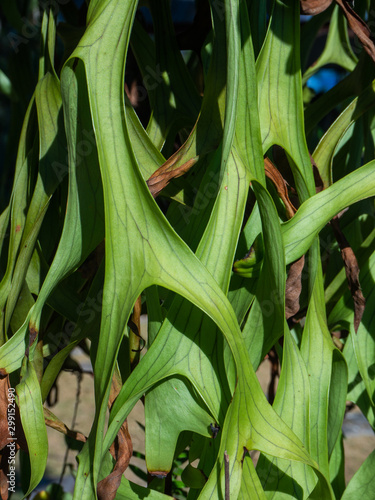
[
  {"x": 293, "y": 287},
  {"x": 352, "y": 272},
  {"x": 313, "y": 7},
  {"x": 160, "y": 474},
  {"x": 33, "y": 334},
  {"x": 168, "y": 171},
  {"x": 359, "y": 27},
  {"x": 281, "y": 186},
  {"x": 294, "y": 281},
  {"x": 121, "y": 450}
]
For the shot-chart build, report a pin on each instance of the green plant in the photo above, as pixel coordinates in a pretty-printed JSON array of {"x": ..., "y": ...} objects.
[{"x": 210, "y": 324}]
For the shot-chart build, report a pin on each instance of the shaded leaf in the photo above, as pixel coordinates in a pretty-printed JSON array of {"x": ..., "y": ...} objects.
[
  {"x": 329, "y": 143},
  {"x": 364, "y": 341},
  {"x": 337, "y": 467},
  {"x": 177, "y": 102},
  {"x": 193, "y": 477},
  {"x": 359, "y": 27},
  {"x": 337, "y": 49},
  {"x": 170, "y": 408},
  {"x": 357, "y": 392},
  {"x": 52, "y": 145}
]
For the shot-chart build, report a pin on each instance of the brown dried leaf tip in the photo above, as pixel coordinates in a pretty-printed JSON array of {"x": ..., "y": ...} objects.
[
  {"x": 293, "y": 287},
  {"x": 168, "y": 171},
  {"x": 352, "y": 272},
  {"x": 281, "y": 186},
  {"x": 121, "y": 450},
  {"x": 313, "y": 7}
]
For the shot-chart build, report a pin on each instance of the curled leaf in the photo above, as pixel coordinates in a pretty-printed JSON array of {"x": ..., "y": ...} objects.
[
  {"x": 293, "y": 287},
  {"x": 250, "y": 265},
  {"x": 168, "y": 171},
  {"x": 313, "y": 7},
  {"x": 281, "y": 185},
  {"x": 121, "y": 450}
]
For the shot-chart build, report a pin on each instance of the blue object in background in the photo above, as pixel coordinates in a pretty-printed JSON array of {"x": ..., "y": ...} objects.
[{"x": 324, "y": 80}]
